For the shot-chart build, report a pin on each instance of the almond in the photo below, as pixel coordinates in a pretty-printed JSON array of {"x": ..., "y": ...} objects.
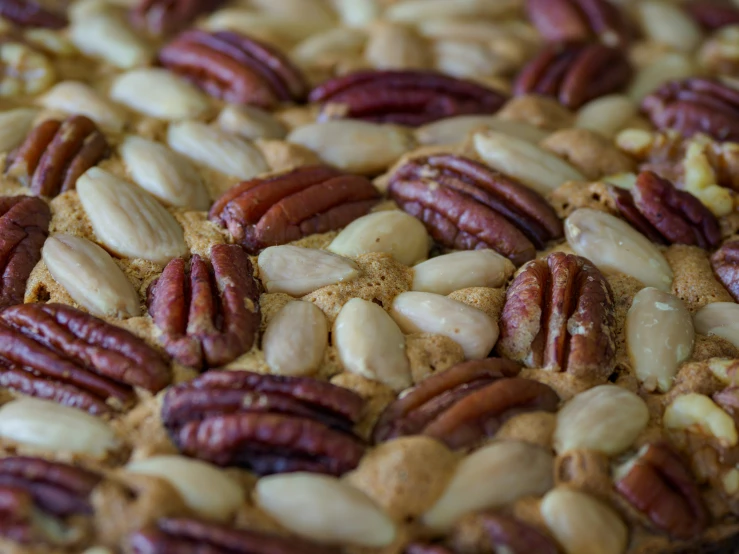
[
  {"x": 393, "y": 46},
  {"x": 697, "y": 413},
  {"x": 668, "y": 24},
  {"x": 296, "y": 339},
  {"x": 74, "y": 97},
  {"x": 452, "y": 130},
  {"x": 720, "y": 319},
  {"x": 104, "y": 34},
  {"x": 250, "y": 122},
  {"x": 460, "y": 270},
  {"x": 670, "y": 66},
  {"x": 14, "y": 126},
  {"x": 419, "y": 11},
  {"x": 607, "y": 115}
]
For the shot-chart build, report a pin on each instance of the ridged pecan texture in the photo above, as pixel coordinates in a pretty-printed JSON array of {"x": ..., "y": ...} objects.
[
  {"x": 286, "y": 207},
  {"x": 163, "y": 17},
  {"x": 32, "y": 484},
  {"x": 659, "y": 485},
  {"x": 56, "y": 153},
  {"x": 24, "y": 226},
  {"x": 405, "y": 97},
  {"x": 265, "y": 423},
  {"x": 713, "y": 14},
  {"x": 234, "y": 68},
  {"x": 208, "y": 313},
  {"x": 191, "y": 536},
  {"x": 665, "y": 214},
  {"x": 575, "y": 73},
  {"x": 465, "y": 404},
  {"x": 27, "y": 13},
  {"x": 725, "y": 262},
  {"x": 59, "y": 353},
  {"x": 466, "y": 206},
  {"x": 695, "y": 105},
  {"x": 559, "y": 316}
]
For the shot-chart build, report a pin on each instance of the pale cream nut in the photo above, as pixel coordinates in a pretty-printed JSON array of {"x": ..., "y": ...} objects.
[
  {"x": 74, "y": 97},
  {"x": 460, "y": 270},
  {"x": 418, "y": 11},
  {"x": 14, "y": 126},
  {"x": 670, "y": 66},
  {"x": 452, "y": 130},
  {"x": 394, "y": 46},
  {"x": 669, "y": 24},
  {"x": 250, "y": 122},
  {"x": 296, "y": 339},
  {"x": 23, "y": 70},
  {"x": 105, "y": 34},
  {"x": 697, "y": 413},
  {"x": 720, "y": 319}
]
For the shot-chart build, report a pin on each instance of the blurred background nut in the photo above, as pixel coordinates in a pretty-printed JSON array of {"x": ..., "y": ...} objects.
[
  {"x": 393, "y": 46},
  {"x": 590, "y": 153},
  {"x": 14, "y": 126},
  {"x": 77, "y": 98},
  {"x": 607, "y": 115},
  {"x": 416, "y": 11},
  {"x": 295, "y": 339},
  {"x": 697, "y": 413},
  {"x": 356, "y": 13},
  {"x": 720, "y": 319},
  {"x": 452, "y": 130},
  {"x": 324, "y": 53},
  {"x": 458, "y": 270},
  {"x": 669, "y": 66},
  {"x": 23, "y": 70},
  {"x": 250, "y": 122},
  {"x": 668, "y": 23}
]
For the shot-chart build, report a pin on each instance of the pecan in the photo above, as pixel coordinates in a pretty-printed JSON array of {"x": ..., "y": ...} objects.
[
  {"x": 28, "y": 13},
  {"x": 208, "y": 315},
  {"x": 725, "y": 262},
  {"x": 713, "y": 14},
  {"x": 659, "y": 485},
  {"x": 163, "y": 17},
  {"x": 267, "y": 423},
  {"x": 56, "y": 153},
  {"x": 559, "y": 316},
  {"x": 665, "y": 214},
  {"x": 234, "y": 68},
  {"x": 286, "y": 207},
  {"x": 695, "y": 105},
  {"x": 191, "y": 536},
  {"x": 466, "y": 206},
  {"x": 464, "y": 404},
  {"x": 575, "y": 73},
  {"x": 24, "y": 226},
  {"x": 59, "y": 353},
  {"x": 405, "y": 97}
]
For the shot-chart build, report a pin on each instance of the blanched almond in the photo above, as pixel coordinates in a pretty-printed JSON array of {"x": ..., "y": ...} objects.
[
  {"x": 607, "y": 115},
  {"x": 460, "y": 270},
  {"x": 418, "y": 11},
  {"x": 324, "y": 509},
  {"x": 250, "y": 122},
  {"x": 295, "y": 339},
  {"x": 659, "y": 335},
  {"x": 371, "y": 344},
  {"x": 167, "y": 175},
  {"x": 298, "y": 271},
  {"x": 393, "y": 46},
  {"x": 452, "y": 130},
  {"x": 74, "y": 97},
  {"x": 669, "y": 24},
  {"x": 671, "y": 65},
  {"x": 424, "y": 312},
  {"x": 14, "y": 126},
  {"x": 357, "y": 13},
  {"x": 329, "y": 47},
  {"x": 697, "y": 413},
  {"x": 720, "y": 319},
  {"x": 616, "y": 247},
  {"x": 128, "y": 220},
  {"x": 90, "y": 276},
  {"x": 490, "y": 478},
  {"x": 105, "y": 34},
  {"x": 266, "y": 26}
]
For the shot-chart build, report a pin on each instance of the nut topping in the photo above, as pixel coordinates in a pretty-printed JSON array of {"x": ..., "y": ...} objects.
[
  {"x": 459, "y": 270},
  {"x": 725, "y": 262},
  {"x": 295, "y": 339},
  {"x": 163, "y": 17},
  {"x": 466, "y": 206},
  {"x": 713, "y": 14},
  {"x": 208, "y": 314},
  {"x": 484, "y": 531},
  {"x": 28, "y": 13},
  {"x": 559, "y": 316},
  {"x": 56, "y": 153}
]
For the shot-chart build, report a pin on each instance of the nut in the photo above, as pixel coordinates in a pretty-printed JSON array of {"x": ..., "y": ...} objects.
[
  {"x": 324, "y": 509},
  {"x": 14, "y": 126},
  {"x": 299, "y": 271},
  {"x": 417, "y": 11},
  {"x": 499, "y": 532},
  {"x": 669, "y": 24},
  {"x": 667, "y": 67},
  {"x": 28, "y": 13},
  {"x": 76, "y": 98},
  {"x": 659, "y": 336},
  {"x": 296, "y": 339},
  {"x": 104, "y": 34},
  {"x": 23, "y": 70},
  {"x": 607, "y": 115},
  {"x": 452, "y": 130},
  {"x": 394, "y": 232},
  {"x": 606, "y": 419},
  {"x": 250, "y": 122},
  {"x": 424, "y": 312},
  {"x": 371, "y": 344},
  {"x": 719, "y": 319},
  {"x": 160, "y": 17},
  {"x": 393, "y": 46},
  {"x": 697, "y": 413},
  {"x": 460, "y": 270},
  {"x": 725, "y": 262},
  {"x": 615, "y": 247},
  {"x": 90, "y": 276}
]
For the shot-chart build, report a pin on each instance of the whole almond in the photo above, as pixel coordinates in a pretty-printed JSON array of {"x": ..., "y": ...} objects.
[
  {"x": 269, "y": 27},
  {"x": 371, "y": 344},
  {"x": 250, "y": 122},
  {"x": 329, "y": 47},
  {"x": 105, "y": 34},
  {"x": 127, "y": 220},
  {"x": 697, "y": 413},
  {"x": 607, "y": 115},
  {"x": 74, "y": 97},
  {"x": 720, "y": 319},
  {"x": 424, "y": 312},
  {"x": 296, "y": 339},
  {"x": 393, "y": 46},
  {"x": 659, "y": 336},
  {"x": 461, "y": 270},
  {"x": 163, "y": 173},
  {"x": 669, "y": 24},
  {"x": 452, "y": 130},
  {"x": 14, "y": 126},
  {"x": 466, "y": 59},
  {"x": 298, "y": 271},
  {"x": 324, "y": 509},
  {"x": 90, "y": 276},
  {"x": 357, "y": 13},
  {"x": 492, "y": 477},
  {"x": 418, "y": 11},
  {"x": 668, "y": 67},
  {"x": 616, "y": 247}
]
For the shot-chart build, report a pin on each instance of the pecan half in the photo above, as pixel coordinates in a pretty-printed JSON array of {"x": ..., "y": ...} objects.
[
  {"x": 659, "y": 485},
  {"x": 405, "y": 97},
  {"x": 693, "y": 106},
  {"x": 266, "y": 423},
  {"x": 208, "y": 314},
  {"x": 466, "y": 206},
  {"x": 56, "y": 153},
  {"x": 575, "y": 73},
  {"x": 28, "y": 13},
  {"x": 24, "y": 226},
  {"x": 286, "y": 207},
  {"x": 713, "y": 14},
  {"x": 163, "y": 17},
  {"x": 464, "y": 404},
  {"x": 234, "y": 68},
  {"x": 559, "y": 316},
  {"x": 665, "y": 214},
  {"x": 725, "y": 262},
  {"x": 60, "y": 353}
]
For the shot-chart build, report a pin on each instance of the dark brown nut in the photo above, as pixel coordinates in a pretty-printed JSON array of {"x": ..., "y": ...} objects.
[
  {"x": 410, "y": 98},
  {"x": 559, "y": 316},
  {"x": 286, "y": 207},
  {"x": 494, "y": 532},
  {"x": 234, "y": 68},
  {"x": 24, "y": 226},
  {"x": 466, "y": 206},
  {"x": 56, "y": 153},
  {"x": 693, "y": 106},
  {"x": 28, "y": 13},
  {"x": 725, "y": 262},
  {"x": 208, "y": 314},
  {"x": 658, "y": 484},
  {"x": 575, "y": 73},
  {"x": 713, "y": 14},
  {"x": 191, "y": 536},
  {"x": 267, "y": 423},
  {"x": 464, "y": 404},
  {"x": 59, "y": 353},
  {"x": 666, "y": 215},
  {"x": 163, "y": 17}
]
